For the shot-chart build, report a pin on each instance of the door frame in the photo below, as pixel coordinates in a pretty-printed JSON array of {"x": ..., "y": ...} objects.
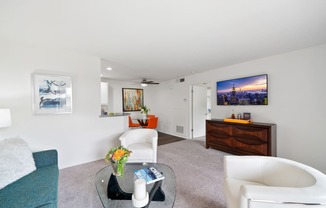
[{"x": 191, "y": 123}]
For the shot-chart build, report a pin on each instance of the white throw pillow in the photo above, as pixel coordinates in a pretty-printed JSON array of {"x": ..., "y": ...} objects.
[{"x": 16, "y": 160}]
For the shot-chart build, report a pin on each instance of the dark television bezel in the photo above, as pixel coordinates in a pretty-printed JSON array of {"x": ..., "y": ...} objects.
[{"x": 244, "y": 78}]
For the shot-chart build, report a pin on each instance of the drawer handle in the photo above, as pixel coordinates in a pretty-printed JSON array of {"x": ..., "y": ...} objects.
[{"x": 250, "y": 141}]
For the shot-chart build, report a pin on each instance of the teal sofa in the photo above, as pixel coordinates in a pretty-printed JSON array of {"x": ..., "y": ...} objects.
[{"x": 37, "y": 189}]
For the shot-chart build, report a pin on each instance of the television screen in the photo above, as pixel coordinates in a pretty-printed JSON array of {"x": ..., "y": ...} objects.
[{"x": 243, "y": 91}]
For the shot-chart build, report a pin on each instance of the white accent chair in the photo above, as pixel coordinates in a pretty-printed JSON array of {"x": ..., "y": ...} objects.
[
  {"x": 271, "y": 182},
  {"x": 142, "y": 143}
]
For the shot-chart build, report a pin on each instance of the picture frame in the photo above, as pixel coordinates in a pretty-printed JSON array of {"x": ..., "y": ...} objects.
[
  {"x": 52, "y": 94},
  {"x": 251, "y": 90},
  {"x": 132, "y": 99},
  {"x": 246, "y": 116}
]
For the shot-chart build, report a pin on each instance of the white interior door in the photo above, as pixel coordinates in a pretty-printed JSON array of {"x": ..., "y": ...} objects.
[{"x": 199, "y": 111}]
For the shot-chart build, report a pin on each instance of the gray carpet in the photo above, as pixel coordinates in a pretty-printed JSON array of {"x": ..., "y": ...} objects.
[{"x": 198, "y": 171}]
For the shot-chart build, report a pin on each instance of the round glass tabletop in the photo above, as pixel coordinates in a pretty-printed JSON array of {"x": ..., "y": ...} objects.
[{"x": 126, "y": 184}]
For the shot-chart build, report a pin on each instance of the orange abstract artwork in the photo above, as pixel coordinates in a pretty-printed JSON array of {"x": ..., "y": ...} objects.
[{"x": 133, "y": 99}]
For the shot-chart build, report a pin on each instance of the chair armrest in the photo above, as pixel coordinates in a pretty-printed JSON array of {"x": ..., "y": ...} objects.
[
  {"x": 124, "y": 140},
  {"x": 153, "y": 139},
  {"x": 154, "y": 142},
  {"x": 282, "y": 195},
  {"x": 45, "y": 158},
  {"x": 154, "y": 145}
]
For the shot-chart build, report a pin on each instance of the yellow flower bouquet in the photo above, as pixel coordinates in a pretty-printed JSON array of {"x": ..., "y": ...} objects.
[{"x": 118, "y": 156}]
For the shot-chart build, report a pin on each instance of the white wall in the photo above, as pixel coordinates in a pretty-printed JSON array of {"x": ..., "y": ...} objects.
[
  {"x": 79, "y": 137},
  {"x": 170, "y": 102},
  {"x": 296, "y": 101}
]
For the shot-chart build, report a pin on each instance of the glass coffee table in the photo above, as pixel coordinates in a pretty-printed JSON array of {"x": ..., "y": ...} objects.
[{"x": 118, "y": 193}]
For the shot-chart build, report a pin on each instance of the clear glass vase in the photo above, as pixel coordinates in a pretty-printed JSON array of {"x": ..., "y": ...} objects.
[{"x": 118, "y": 168}]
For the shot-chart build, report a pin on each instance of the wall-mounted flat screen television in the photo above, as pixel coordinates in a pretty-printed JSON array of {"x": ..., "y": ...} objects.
[{"x": 243, "y": 91}]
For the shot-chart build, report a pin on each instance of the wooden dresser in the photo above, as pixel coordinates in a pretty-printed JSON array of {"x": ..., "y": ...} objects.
[{"x": 241, "y": 139}]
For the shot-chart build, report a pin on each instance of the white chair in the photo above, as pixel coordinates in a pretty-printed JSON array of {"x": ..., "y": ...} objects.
[
  {"x": 142, "y": 143},
  {"x": 266, "y": 182}
]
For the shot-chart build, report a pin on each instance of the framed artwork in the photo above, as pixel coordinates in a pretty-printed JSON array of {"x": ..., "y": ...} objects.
[
  {"x": 132, "y": 99},
  {"x": 52, "y": 94},
  {"x": 243, "y": 91}
]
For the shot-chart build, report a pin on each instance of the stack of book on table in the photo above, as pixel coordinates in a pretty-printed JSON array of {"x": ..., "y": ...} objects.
[{"x": 149, "y": 174}]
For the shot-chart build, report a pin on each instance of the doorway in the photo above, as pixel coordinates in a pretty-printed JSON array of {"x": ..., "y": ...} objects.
[{"x": 200, "y": 110}]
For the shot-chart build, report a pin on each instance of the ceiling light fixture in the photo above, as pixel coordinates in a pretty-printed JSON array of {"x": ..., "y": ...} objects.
[
  {"x": 109, "y": 68},
  {"x": 143, "y": 84}
]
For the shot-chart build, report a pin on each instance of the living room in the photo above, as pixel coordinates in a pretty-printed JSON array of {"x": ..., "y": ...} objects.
[{"x": 295, "y": 84}]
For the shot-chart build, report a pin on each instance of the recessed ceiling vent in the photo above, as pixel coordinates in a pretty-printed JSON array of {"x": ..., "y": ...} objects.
[{"x": 180, "y": 80}]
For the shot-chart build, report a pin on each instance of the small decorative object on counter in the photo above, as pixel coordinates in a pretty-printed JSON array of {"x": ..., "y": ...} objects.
[
  {"x": 103, "y": 112},
  {"x": 239, "y": 116},
  {"x": 144, "y": 110},
  {"x": 118, "y": 156},
  {"x": 233, "y": 116},
  {"x": 246, "y": 116}
]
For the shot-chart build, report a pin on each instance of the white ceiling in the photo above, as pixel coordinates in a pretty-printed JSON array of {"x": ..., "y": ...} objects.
[{"x": 166, "y": 39}]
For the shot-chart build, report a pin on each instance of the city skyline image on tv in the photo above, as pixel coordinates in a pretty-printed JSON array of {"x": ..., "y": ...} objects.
[{"x": 243, "y": 91}]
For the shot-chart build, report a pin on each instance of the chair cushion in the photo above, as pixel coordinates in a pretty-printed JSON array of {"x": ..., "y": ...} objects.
[
  {"x": 232, "y": 190},
  {"x": 140, "y": 151},
  {"x": 280, "y": 174}
]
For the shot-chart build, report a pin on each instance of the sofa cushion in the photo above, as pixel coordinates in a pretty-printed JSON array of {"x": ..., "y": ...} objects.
[
  {"x": 37, "y": 189},
  {"x": 16, "y": 160}
]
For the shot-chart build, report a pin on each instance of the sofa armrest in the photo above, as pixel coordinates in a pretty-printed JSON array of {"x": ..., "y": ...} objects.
[{"x": 45, "y": 158}]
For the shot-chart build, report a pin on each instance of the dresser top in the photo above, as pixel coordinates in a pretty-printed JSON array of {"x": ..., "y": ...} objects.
[{"x": 250, "y": 124}]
